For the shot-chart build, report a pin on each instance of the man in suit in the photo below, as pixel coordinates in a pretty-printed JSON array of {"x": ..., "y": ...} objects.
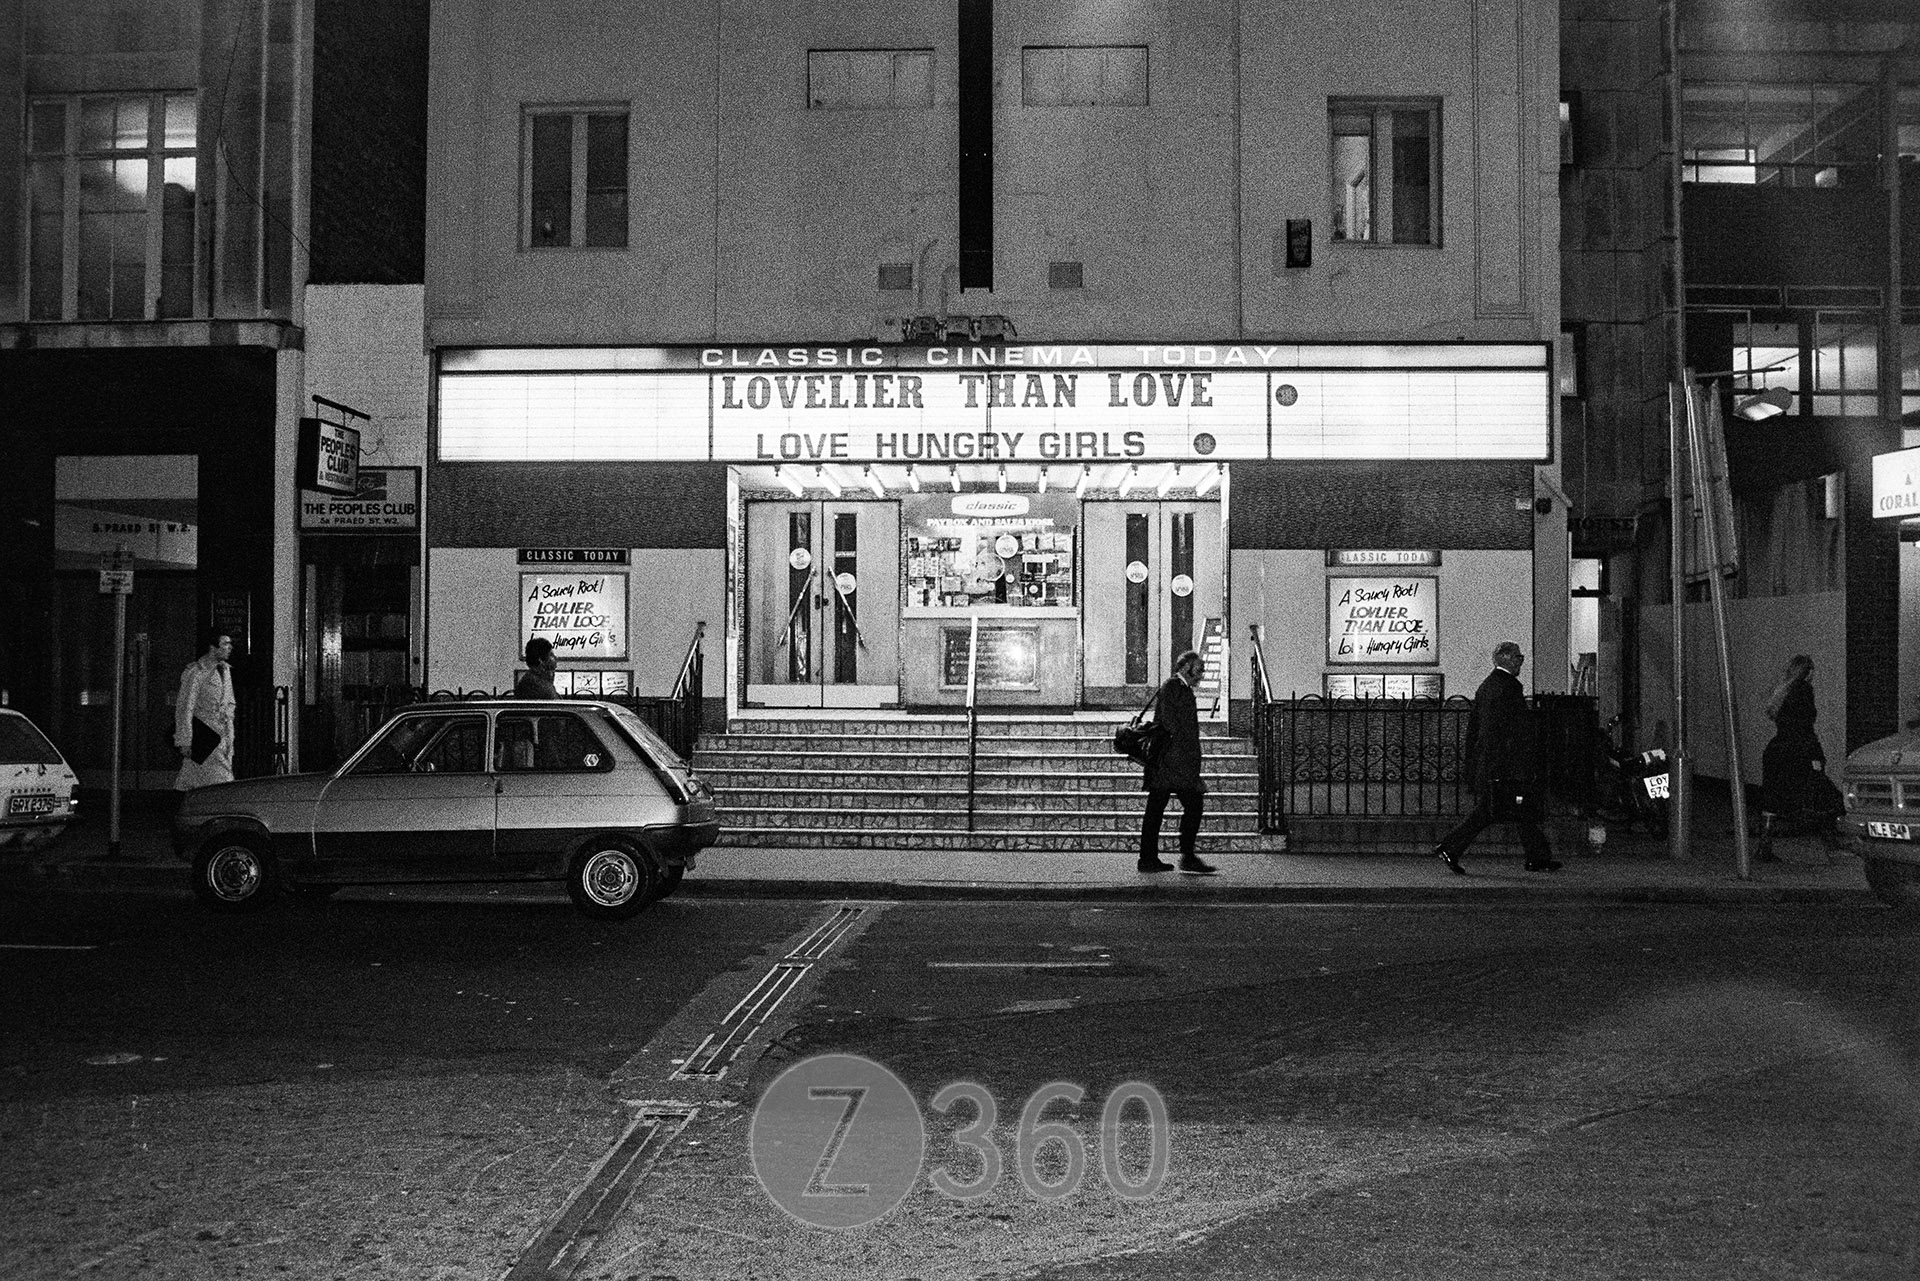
[
  {"x": 1503, "y": 764},
  {"x": 1174, "y": 770}
]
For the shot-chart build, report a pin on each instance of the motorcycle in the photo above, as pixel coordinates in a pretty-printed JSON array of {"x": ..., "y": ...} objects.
[{"x": 1633, "y": 788}]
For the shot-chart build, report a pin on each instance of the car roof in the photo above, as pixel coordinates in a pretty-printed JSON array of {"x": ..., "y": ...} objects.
[{"x": 502, "y": 703}]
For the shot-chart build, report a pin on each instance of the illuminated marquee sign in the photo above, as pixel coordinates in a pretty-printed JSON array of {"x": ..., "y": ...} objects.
[{"x": 1015, "y": 404}]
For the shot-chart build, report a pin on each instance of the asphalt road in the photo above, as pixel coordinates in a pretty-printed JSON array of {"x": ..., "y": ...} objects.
[{"x": 402, "y": 1087}]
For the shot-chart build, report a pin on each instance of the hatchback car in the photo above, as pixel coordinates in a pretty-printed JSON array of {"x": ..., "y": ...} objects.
[
  {"x": 579, "y": 791},
  {"x": 37, "y": 786}
]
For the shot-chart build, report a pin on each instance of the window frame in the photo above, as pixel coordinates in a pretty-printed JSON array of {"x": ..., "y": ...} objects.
[
  {"x": 818, "y": 100},
  {"x": 360, "y": 766},
  {"x": 68, "y": 161},
  {"x": 1030, "y": 56},
  {"x": 583, "y": 723},
  {"x": 1379, "y": 174},
  {"x": 579, "y": 190}
]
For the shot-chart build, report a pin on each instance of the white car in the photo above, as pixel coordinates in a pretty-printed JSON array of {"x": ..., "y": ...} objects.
[{"x": 37, "y": 786}]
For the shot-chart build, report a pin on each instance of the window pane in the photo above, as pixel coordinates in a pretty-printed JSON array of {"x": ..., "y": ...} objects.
[
  {"x": 96, "y": 124},
  {"x": 48, "y": 128},
  {"x": 181, "y": 117},
  {"x": 176, "y": 238},
  {"x": 1412, "y": 178},
  {"x": 96, "y": 266},
  {"x": 1352, "y": 178},
  {"x": 129, "y": 267},
  {"x": 1126, "y": 83},
  {"x": 826, "y": 78},
  {"x": 46, "y": 230},
  {"x": 606, "y": 152},
  {"x": 913, "y": 80},
  {"x": 607, "y": 219},
  {"x": 551, "y": 169}
]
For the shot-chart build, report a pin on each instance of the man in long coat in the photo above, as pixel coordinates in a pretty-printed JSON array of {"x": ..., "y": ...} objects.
[
  {"x": 1174, "y": 770},
  {"x": 206, "y": 695},
  {"x": 1503, "y": 760}
]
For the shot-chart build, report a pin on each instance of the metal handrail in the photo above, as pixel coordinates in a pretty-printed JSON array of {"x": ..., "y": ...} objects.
[
  {"x": 691, "y": 666},
  {"x": 1263, "y": 685},
  {"x": 973, "y": 712}
]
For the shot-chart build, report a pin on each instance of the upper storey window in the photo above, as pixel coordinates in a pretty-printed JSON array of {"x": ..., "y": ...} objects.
[
  {"x": 110, "y": 206},
  {"x": 1386, "y": 169},
  {"x": 1780, "y": 135},
  {"x": 575, "y": 176},
  {"x": 853, "y": 79},
  {"x": 1083, "y": 76}
]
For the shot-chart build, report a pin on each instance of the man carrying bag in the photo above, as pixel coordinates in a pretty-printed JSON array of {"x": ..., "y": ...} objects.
[{"x": 1503, "y": 764}]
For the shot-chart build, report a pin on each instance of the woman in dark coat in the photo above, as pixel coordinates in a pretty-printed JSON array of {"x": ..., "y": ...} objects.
[
  {"x": 1174, "y": 770},
  {"x": 1793, "y": 779}
]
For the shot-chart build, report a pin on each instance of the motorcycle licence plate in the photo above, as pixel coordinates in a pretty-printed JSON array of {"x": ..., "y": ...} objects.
[
  {"x": 1890, "y": 831},
  {"x": 34, "y": 803},
  {"x": 1656, "y": 786}
]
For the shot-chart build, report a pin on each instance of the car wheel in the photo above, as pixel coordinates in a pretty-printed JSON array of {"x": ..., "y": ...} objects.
[
  {"x": 670, "y": 879},
  {"x": 1895, "y": 884},
  {"x": 235, "y": 874},
  {"x": 613, "y": 879}
]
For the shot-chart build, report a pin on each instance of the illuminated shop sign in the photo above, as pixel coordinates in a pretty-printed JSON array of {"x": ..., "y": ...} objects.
[
  {"x": 1896, "y": 483},
  {"x": 1060, "y": 404}
]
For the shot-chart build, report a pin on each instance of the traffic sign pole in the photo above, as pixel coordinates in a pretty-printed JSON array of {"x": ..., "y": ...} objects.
[{"x": 117, "y": 579}]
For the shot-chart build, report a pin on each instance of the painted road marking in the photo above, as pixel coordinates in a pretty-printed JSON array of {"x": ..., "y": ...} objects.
[
  {"x": 1019, "y": 965},
  {"x": 49, "y": 947}
]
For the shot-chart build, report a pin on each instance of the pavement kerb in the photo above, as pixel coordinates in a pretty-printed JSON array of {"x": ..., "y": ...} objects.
[{"x": 106, "y": 875}]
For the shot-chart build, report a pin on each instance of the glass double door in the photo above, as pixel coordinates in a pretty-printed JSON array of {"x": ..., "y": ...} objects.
[
  {"x": 1154, "y": 576},
  {"x": 823, "y": 604}
]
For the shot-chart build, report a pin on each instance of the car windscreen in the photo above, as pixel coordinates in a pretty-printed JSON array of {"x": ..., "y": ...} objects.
[{"x": 22, "y": 744}]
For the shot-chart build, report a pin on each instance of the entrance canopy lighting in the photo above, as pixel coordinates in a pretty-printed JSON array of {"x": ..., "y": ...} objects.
[
  {"x": 786, "y": 478},
  {"x": 953, "y": 476},
  {"x": 1166, "y": 481},
  {"x": 1043, "y": 480},
  {"x": 1080, "y": 486},
  {"x": 1209, "y": 476},
  {"x": 832, "y": 485},
  {"x": 1003, "y": 478},
  {"x": 873, "y": 483},
  {"x": 913, "y": 477},
  {"x": 1126, "y": 481}
]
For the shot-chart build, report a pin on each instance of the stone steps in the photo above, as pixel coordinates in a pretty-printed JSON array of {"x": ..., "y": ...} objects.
[{"x": 1039, "y": 784}]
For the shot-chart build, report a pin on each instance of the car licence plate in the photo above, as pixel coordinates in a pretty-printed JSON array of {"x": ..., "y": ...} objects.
[
  {"x": 1890, "y": 831},
  {"x": 1656, "y": 786},
  {"x": 34, "y": 803}
]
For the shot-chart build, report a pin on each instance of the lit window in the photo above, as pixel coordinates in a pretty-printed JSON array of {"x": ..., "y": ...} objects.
[
  {"x": 1779, "y": 135},
  {"x": 110, "y": 206},
  {"x": 1846, "y": 368},
  {"x": 1385, "y": 171},
  {"x": 855, "y": 79},
  {"x": 576, "y": 179}
]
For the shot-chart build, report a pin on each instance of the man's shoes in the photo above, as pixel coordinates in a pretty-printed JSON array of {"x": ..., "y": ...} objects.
[
  {"x": 1451, "y": 859},
  {"x": 1194, "y": 867},
  {"x": 1546, "y": 865},
  {"x": 1155, "y": 865}
]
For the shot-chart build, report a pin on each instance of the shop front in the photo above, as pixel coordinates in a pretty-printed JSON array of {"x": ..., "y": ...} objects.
[{"x": 1046, "y": 527}]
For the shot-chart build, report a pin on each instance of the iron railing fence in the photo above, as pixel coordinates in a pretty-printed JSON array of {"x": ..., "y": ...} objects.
[
  {"x": 1400, "y": 759},
  {"x": 260, "y": 719}
]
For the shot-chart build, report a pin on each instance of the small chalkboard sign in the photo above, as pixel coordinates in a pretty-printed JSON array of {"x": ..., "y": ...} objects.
[{"x": 1009, "y": 658}]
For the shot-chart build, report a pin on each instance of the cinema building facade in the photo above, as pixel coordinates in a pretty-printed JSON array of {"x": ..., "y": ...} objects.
[{"x": 1107, "y": 335}]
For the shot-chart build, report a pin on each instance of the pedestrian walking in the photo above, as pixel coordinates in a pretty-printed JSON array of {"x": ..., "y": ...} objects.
[
  {"x": 1174, "y": 770},
  {"x": 537, "y": 680},
  {"x": 1793, "y": 768},
  {"x": 1503, "y": 766},
  {"x": 203, "y": 717}
]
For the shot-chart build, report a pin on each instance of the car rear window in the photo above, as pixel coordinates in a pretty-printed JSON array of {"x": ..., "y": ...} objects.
[
  {"x": 22, "y": 744},
  {"x": 547, "y": 741}
]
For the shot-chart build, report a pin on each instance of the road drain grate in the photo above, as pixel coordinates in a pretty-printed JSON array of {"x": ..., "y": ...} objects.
[{"x": 564, "y": 1243}]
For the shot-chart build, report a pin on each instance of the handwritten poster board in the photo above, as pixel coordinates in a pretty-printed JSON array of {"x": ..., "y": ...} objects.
[
  {"x": 583, "y": 614},
  {"x": 1382, "y": 620},
  {"x": 1009, "y": 658}
]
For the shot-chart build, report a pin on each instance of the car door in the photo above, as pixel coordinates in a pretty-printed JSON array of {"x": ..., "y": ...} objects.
[
  {"x": 415, "y": 804},
  {"x": 556, "y": 780}
]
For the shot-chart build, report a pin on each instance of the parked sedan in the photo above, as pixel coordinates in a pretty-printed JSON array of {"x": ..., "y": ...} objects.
[
  {"x": 488, "y": 790},
  {"x": 37, "y": 787}
]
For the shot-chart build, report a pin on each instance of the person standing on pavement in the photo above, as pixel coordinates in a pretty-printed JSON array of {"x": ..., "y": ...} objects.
[
  {"x": 1174, "y": 770},
  {"x": 1503, "y": 767},
  {"x": 203, "y": 717},
  {"x": 537, "y": 681}
]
